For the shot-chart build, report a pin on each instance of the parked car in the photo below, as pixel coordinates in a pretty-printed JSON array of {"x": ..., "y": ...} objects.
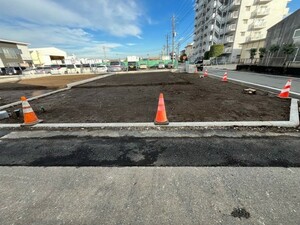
[
  {"x": 199, "y": 65},
  {"x": 117, "y": 66},
  {"x": 2, "y": 71},
  {"x": 133, "y": 66},
  {"x": 28, "y": 71},
  {"x": 143, "y": 66},
  {"x": 101, "y": 69},
  {"x": 12, "y": 71},
  {"x": 43, "y": 70},
  {"x": 58, "y": 69},
  {"x": 86, "y": 68},
  {"x": 72, "y": 69},
  {"x": 170, "y": 65},
  {"x": 161, "y": 65}
]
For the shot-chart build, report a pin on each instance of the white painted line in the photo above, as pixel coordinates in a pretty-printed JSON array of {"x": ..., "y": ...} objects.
[
  {"x": 10, "y": 125},
  {"x": 88, "y": 80},
  {"x": 258, "y": 85},
  {"x": 92, "y": 125}
]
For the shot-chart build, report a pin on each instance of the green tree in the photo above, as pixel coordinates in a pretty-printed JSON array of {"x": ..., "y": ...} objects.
[
  {"x": 216, "y": 50},
  {"x": 272, "y": 50},
  {"x": 262, "y": 52},
  {"x": 206, "y": 55},
  {"x": 288, "y": 49},
  {"x": 183, "y": 58},
  {"x": 252, "y": 53}
]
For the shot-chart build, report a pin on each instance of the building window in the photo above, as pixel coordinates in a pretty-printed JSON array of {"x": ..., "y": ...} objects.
[
  {"x": 248, "y": 8},
  {"x": 245, "y": 21},
  {"x": 296, "y": 33},
  {"x": 242, "y": 34}
]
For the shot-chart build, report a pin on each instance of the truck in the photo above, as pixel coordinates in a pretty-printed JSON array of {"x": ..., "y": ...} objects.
[
  {"x": 132, "y": 59},
  {"x": 133, "y": 62}
]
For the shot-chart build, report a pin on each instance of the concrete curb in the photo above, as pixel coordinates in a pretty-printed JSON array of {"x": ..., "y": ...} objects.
[
  {"x": 69, "y": 86},
  {"x": 293, "y": 122},
  {"x": 88, "y": 80}
]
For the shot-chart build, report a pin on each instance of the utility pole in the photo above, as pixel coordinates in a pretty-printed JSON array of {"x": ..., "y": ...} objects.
[
  {"x": 178, "y": 49},
  {"x": 167, "y": 44},
  {"x": 173, "y": 37}
]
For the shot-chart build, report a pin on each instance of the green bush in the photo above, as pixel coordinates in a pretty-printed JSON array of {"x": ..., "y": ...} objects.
[
  {"x": 216, "y": 50},
  {"x": 206, "y": 55}
]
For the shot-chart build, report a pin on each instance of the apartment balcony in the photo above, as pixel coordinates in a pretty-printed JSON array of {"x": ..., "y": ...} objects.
[
  {"x": 229, "y": 39},
  {"x": 260, "y": 12},
  {"x": 259, "y": 2},
  {"x": 235, "y": 4},
  {"x": 233, "y": 15},
  {"x": 254, "y": 37},
  {"x": 228, "y": 50},
  {"x": 219, "y": 18},
  {"x": 230, "y": 28},
  {"x": 257, "y": 25}
]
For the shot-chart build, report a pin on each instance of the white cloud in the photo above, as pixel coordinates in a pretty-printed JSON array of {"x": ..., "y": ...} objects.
[
  {"x": 131, "y": 44},
  {"x": 69, "y": 24},
  {"x": 119, "y": 18}
]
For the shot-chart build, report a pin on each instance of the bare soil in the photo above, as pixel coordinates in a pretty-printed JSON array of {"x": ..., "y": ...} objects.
[
  {"x": 12, "y": 91},
  {"x": 134, "y": 98}
]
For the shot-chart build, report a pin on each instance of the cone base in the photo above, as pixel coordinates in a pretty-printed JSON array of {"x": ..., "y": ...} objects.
[
  {"x": 31, "y": 124},
  {"x": 282, "y": 97},
  {"x": 161, "y": 123}
]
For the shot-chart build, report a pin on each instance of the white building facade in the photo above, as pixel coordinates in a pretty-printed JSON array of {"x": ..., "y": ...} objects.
[
  {"x": 47, "y": 56},
  {"x": 234, "y": 22}
]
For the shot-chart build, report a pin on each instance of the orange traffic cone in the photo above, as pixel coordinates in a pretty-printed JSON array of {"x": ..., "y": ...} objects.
[
  {"x": 285, "y": 92},
  {"x": 205, "y": 74},
  {"x": 161, "y": 115},
  {"x": 29, "y": 116},
  {"x": 224, "y": 79}
]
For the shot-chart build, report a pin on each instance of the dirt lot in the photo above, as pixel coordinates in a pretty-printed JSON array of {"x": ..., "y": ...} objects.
[
  {"x": 134, "y": 98},
  {"x": 36, "y": 86}
]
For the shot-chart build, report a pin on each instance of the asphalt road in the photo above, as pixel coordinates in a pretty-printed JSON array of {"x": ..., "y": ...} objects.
[
  {"x": 136, "y": 151},
  {"x": 151, "y": 195},
  {"x": 149, "y": 177},
  {"x": 272, "y": 81}
]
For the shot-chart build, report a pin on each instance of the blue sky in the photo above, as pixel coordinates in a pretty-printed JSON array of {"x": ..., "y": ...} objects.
[{"x": 85, "y": 27}]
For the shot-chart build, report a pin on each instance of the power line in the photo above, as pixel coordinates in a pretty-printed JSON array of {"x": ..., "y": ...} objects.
[{"x": 188, "y": 29}]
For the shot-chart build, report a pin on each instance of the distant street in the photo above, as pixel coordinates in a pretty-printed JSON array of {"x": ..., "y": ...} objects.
[{"x": 272, "y": 81}]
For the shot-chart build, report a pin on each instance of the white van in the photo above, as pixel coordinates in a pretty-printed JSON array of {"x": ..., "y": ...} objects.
[
  {"x": 58, "y": 69},
  {"x": 73, "y": 69}
]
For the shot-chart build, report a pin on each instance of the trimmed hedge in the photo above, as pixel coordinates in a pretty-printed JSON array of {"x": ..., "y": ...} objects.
[{"x": 295, "y": 72}]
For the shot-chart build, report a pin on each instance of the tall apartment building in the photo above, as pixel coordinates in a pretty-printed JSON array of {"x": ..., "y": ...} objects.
[{"x": 233, "y": 22}]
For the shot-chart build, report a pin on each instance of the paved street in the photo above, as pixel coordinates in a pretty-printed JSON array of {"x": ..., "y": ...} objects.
[
  {"x": 68, "y": 150},
  {"x": 153, "y": 195},
  {"x": 272, "y": 81},
  {"x": 104, "y": 179}
]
